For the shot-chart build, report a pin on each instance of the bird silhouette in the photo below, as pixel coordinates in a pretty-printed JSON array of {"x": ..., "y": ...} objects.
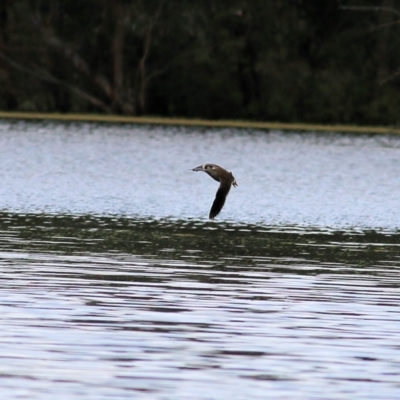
[{"x": 226, "y": 180}]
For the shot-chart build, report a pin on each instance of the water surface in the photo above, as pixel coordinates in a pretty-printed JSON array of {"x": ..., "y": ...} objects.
[
  {"x": 116, "y": 285},
  {"x": 308, "y": 179}
]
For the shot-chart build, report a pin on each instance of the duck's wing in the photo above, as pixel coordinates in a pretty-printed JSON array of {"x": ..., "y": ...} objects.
[{"x": 219, "y": 200}]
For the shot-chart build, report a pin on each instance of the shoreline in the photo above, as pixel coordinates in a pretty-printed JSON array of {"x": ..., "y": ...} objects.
[{"x": 199, "y": 122}]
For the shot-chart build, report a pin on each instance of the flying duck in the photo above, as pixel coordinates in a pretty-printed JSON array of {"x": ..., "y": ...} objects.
[{"x": 226, "y": 180}]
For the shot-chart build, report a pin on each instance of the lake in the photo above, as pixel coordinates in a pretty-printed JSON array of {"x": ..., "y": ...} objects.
[{"x": 115, "y": 284}]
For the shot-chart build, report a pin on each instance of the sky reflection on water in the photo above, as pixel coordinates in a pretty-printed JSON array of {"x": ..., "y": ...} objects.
[{"x": 307, "y": 179}]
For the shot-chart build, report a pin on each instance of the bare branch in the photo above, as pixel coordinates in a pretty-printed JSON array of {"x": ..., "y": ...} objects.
[
  {"x": 146, "y": 52},
  {"x": 167, "y": 66},
  {"x": 371, "y": 8},
  {"x": 119, "y": 95},
  {"x": 391, "y": 77},
  {"x": 77, "y": 61},
  {"x": 383, "y": 26},
  {"x": 118, "y": 46},
  {"x": 375, "y": 9},
  {"x": 45, "y": 76}
]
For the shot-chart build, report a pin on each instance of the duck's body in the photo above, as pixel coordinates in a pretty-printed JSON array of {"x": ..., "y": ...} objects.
[{"x": 226, "y": 180}]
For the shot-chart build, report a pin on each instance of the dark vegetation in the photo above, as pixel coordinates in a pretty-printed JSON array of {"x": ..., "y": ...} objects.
[{"x": 324, "y": 61}]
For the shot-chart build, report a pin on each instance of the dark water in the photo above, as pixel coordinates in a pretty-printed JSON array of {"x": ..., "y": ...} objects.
[{"x": 114, "y": 284}]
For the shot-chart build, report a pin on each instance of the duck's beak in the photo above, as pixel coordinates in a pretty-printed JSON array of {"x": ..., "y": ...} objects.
[{"x": 199, "y": 168}]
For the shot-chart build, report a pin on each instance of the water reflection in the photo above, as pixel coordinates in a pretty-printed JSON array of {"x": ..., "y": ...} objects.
[
  {"x": 109, "y": 306},
  {"x": 224, "y": 245}
]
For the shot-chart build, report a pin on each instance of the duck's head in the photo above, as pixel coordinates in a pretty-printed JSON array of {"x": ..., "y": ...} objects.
[{"x": 212, "y": 169}]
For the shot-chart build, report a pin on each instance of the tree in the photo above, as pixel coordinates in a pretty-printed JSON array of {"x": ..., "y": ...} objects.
[
  {"x": 75, "y": 52},
  {"x": 285, "y": 60}
]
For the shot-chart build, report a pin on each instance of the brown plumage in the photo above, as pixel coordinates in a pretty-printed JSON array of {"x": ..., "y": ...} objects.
[{"x": 226, "y": 180}]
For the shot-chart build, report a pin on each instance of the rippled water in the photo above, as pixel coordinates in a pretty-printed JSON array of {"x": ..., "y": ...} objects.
[
  {"x": 115, "y": 285},
  {"x": 287, "y": 178}
]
